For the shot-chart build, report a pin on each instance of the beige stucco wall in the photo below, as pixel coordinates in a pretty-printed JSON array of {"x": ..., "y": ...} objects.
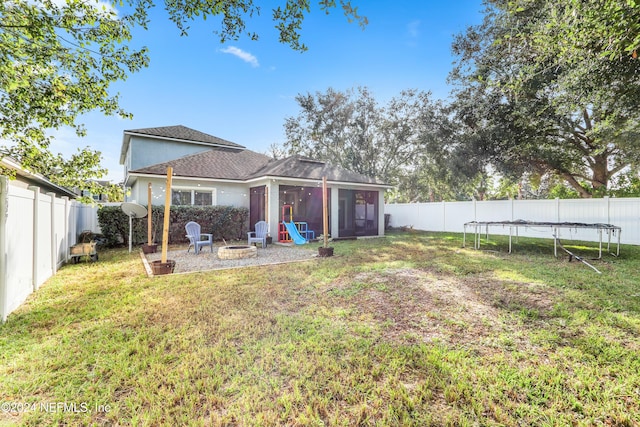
[{"x": 224, "y": 194}]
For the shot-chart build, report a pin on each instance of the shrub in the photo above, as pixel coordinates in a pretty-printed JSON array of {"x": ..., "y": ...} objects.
[
  {"x": 114, "y": 225},
  {"x": 224, "y": 222}
]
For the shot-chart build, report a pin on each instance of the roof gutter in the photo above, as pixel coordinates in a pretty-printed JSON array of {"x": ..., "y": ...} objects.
[
  {"x": 262, "y": 178},
  {"x": 316, "y": 181},
  {"x": 159, "y": 176}
]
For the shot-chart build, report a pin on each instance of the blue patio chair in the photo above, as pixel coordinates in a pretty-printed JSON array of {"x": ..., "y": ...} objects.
[
  {"x": 260, "y": 235},
  {"x": 197, "y": 239}
]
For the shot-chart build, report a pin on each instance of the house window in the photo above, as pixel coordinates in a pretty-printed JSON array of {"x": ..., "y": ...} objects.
[
  {"x": 181, "y": 197},
  {"x": 202, "y": 198},
  {"x": 191, "y": 197}
]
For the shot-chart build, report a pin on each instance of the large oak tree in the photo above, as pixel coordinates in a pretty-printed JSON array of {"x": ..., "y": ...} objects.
[{"x": 530, "y": 103}]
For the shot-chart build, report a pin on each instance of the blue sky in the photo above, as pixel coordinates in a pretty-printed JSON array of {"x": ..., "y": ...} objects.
[{"x": 244, "y": 90}]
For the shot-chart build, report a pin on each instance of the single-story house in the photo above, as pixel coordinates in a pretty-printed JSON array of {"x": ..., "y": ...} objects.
[{"x": 212, "y": 171}]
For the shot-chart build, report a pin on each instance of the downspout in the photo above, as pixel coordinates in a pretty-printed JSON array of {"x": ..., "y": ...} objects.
[{"x": 4, "y": 201}]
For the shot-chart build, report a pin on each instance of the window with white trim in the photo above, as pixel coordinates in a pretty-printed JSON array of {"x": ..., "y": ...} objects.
[{"x": 195, "y": 197}]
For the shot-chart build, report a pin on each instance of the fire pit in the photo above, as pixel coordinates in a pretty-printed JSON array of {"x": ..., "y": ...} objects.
[{"x": 237, "y": 252}]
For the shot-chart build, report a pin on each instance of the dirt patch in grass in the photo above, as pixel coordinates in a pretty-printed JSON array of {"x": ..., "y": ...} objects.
[{"x": 413, "y": 305}]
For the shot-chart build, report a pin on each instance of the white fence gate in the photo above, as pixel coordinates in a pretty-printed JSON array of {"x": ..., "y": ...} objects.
[
  {"x": 36, "y": 231},
  {"x": 451, "y": 216}
]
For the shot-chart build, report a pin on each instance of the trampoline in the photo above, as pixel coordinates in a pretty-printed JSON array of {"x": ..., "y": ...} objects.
[{"x": 482, "y": 227}]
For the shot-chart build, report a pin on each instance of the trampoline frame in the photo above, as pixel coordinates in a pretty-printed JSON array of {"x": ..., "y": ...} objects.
[{"x": 480, "y": 226}]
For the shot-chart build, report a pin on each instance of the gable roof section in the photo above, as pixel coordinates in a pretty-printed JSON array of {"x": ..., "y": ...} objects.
[
  {"x": 175, "y": 133},
  {"x": 217, "y": 163},
  {"x": 306, "y": 168},
  {"x": 244, "y": 165}
]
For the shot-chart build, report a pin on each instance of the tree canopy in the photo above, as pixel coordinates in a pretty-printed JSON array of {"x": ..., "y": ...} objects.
[
  {"x": 538, "y": 95},
  {"x": 58, "y": 59},
  {"x": 402, "y": 142},
  {"x": 578, "y": 28},
  {"x": 350, "y": 129}
]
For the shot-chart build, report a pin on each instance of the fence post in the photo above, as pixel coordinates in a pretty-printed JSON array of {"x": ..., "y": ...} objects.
[
  {"x": 73, "y": 232},
  {"x": 66, "y": 228},
  {"x": 475, "y": 210},
  {"x": 557, "y": 209},
  {"x": 4, "y": 202},
  {"x": 608, "y": 208},
  {"x": 512, "y": 209},
  {"x": 444, "y": 216},
  {"x": 54, "y": 243},
  {"x": 36, "y": 214}
]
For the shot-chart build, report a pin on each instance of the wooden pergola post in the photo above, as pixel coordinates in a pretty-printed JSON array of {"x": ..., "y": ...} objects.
[
  {"x": 167, "y": 211},
  {"x": 149, "y": 220},
  {"x": 325, "y": 213}
]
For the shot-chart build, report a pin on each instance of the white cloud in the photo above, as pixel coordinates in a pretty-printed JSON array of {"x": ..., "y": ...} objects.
[
  {"x": 245, "y": 56},
  {"x": 413, "y": 28}
]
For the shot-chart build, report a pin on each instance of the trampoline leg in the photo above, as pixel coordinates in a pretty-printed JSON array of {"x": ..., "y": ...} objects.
[
  {"x": 464, "y": 236},
  {"x": 600, "y": 248}
]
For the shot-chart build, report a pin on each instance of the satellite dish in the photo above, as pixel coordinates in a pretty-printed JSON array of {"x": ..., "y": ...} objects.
[{"x": 133, "y": 210}]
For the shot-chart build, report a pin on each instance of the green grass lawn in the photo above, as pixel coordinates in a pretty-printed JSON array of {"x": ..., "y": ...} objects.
[{"x": 411, "y": 329}]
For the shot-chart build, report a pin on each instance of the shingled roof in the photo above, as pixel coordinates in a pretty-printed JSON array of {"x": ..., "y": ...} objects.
[
  {"x": 243, "y": 165},
  {"x": 306, "y": 168},
  {"x": 184, "y": 133},
  {"x": 217, "y": 163},
  {"x": 175, "y": 133}
]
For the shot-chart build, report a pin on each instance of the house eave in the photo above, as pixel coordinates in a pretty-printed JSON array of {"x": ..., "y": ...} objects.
[
  {"x": 125, "y": 146},
  {"x": 12, "y": 164},
  {"x": 138, "y": 175},
  {"x": 194, "y": 178},
  {"x": 317, "y": 181}
]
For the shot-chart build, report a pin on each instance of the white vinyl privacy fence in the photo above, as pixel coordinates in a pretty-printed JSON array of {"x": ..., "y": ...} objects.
[
  {"x": 451, "y": 216},
  {"x": 36, "y": 231}
]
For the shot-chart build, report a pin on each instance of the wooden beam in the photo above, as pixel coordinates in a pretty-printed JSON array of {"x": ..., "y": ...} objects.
[{"x": 167, "y": 211}]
